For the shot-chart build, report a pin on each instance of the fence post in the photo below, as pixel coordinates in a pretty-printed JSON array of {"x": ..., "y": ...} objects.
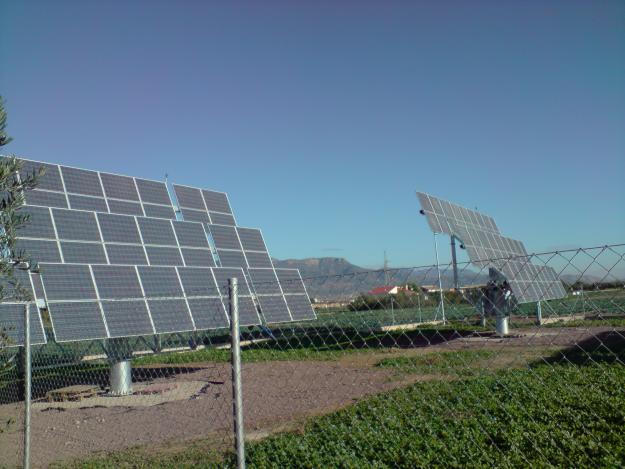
[
  {"x": 27, "y": 386},
  {"x": 237, "y": 392},
  {"x": 539, "y": 313}
]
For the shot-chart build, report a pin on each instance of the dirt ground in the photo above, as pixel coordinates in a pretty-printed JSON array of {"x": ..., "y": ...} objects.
[{"x": 199, "y": 403}]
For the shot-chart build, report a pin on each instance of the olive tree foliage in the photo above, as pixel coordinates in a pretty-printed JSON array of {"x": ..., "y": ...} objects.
[{"x": 13, "y": 183}]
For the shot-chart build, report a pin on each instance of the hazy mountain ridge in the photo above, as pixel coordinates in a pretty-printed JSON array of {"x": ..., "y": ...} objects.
[{"x": 336, "y": 277}]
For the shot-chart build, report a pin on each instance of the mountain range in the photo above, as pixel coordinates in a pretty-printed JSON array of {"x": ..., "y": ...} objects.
[{"x": 336, "y": 278}]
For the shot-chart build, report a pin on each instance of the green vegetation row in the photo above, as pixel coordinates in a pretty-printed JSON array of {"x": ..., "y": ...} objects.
[{"x": 560, "y": 415}]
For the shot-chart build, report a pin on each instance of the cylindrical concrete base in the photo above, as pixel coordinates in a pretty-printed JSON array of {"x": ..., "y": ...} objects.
[
  {"x": 501, "y": 325},
  {"x": 121, "y": 378},
  {"x": 539, "y": 313}
]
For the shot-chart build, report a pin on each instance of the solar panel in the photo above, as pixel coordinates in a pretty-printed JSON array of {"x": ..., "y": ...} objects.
[
  {"x": 248, "y": 314},
  {"x": 216, "y": 201},
  {"x": 198, "y": 281},
  {"x": 265, "y": 281},
  {"x": 486, "y": 247},
  {"x": 194, "y": 215},
  {"x": 222, "y": 219},
  {"x": 163, "y": 256},
  {"x": 231, "y": 258},
  {"x": 82, "y": 253},
  {"x": 45, "y": 198},
  {"x": 12, "y": 325},
  {"x": 258, "y": 259},
  {"x": 39, "y": 249},
  {"x": 116, "y": 282},
  {"x": 39, "y": 224},
  {"x": 90, "y": 253},
  {"x": 84, "y": 202},
  {"x": 170, "y": 315},
  {"x": 77, "y": 321},
  {"x": 119, "y": 228},
  {"x": 119, "y": 187},
  {"x": 300, "y": 307},
  {"x": 81, "y": 181},
  {"x": 74, "y": 225},
  {"x": 274, "y": 308},
  {"x": 251, "y": 239},
  {"x": 125, "y": 208},
  {"x": 189, "y": 197},
  {"x": 159, "y": 211},
  {"x": 190, "y": 234},
  {"x": 63, "y": 282},
  {"x": 127, "y": 318},
  {"x": 223, "y": 274},
  {"x": 225, "y": 237},
  {"x": 208, "y": 313},
  {"x": 51, "y": 180},
  {"x": 153, "y": 192},
  {"x": 197, "y": 257},
  {"x": 160, "y": 282},
  {"x": 156, "y": 231},
  {"x": 126, "y": 254},
  {"x": 291, "y": 281},
  {"x": 18, "y": 288}
]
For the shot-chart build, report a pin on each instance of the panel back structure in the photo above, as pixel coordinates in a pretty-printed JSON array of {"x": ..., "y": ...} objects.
[{"x": 486, "y": 247}]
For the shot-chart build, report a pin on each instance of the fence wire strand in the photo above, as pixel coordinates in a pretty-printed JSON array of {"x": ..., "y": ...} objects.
[{"x": 378, "y": 378}]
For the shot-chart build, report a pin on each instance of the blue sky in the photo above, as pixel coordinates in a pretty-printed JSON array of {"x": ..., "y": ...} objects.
[{"x": 322, "y": 119}]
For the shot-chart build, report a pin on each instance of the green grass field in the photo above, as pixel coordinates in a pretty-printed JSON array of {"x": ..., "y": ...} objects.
[{"x": 546, "y": 415}]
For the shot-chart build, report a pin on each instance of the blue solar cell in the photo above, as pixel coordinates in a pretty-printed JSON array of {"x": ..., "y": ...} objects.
[
  {"x": 38, "y": 225},
  {"x": 159, "y": 211},
  {"x": 125, "y": 208},
  {"x": 84, "y": 202},
  {"x": 51, "y": 179},
  {"x": 160, "y": 282},
  {"x": 170, "y": 315},
  {"x": 77, "y": 321},
  {"x": 74, "y": 225},
  {"x": 153, "y": 192},
  {"x": 127, "y": 318},
  {"x": 83, "y": 253},
  {"x": 45, "y": 198},
  {"x": 119, "y": 187},
  {"x": 189, "y": 197},
  {"x": 208, "y": 313},
  {"x": 82, "y": 181},
  {"x": 197, "y": 257}
]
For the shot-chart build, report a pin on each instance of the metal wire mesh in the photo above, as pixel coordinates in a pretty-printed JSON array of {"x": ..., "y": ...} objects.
[{"x": 393, "y": 371}]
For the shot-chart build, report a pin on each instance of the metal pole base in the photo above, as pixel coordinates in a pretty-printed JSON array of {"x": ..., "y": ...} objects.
[
  {"x": 501, "y": 326},
  {"x": 539, "y": 314},
  {"x": 121, "y": 378}
]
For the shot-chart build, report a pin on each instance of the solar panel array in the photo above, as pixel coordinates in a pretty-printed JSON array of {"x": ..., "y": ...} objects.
[
  {"x": 245, "y": 248},
  {"x": 117, "y": 261},
  {"x": 486, "y": 247}
]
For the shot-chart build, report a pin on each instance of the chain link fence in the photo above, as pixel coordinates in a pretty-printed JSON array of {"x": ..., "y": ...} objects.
[{"x": 399, "y": 369}]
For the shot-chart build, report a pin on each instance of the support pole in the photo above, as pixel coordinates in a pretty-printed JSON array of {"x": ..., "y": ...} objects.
[
  {"x": 440, "y": 283},
  {"x": 27, "y": 387},
  {"x": 539, "y": 313},
  {"x": 454, "y": 261},
  {"x": 119, "y": 354},
  {"x": 237, "y": 391}
]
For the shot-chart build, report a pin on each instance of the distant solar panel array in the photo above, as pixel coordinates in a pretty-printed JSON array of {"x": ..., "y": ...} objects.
[
  {"x": 117, "y": 261},
  {"x": 486, "y": 247}
]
